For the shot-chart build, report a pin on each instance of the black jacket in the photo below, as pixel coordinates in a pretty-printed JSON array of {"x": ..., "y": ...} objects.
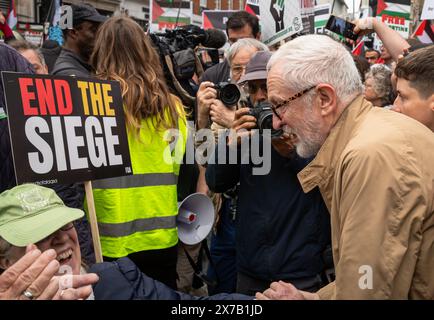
[
  {"x": 122, "y": 280},
  {"x": 218, "y": 73},
  {"x": 281, "y": 232}
]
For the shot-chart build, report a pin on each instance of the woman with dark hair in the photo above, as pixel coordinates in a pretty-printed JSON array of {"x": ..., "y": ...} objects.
[{"x": 137, "y": 213}]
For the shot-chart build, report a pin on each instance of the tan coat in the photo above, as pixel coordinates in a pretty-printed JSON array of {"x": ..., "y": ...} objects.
[{"x": 375, "y": 172}]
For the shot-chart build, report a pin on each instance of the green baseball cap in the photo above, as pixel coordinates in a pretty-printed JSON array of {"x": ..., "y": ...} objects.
[{"x": 30, "y": 213}]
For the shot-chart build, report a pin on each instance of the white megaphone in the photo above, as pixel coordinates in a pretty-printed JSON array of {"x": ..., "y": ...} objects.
[{"x": 195, "y": 218}]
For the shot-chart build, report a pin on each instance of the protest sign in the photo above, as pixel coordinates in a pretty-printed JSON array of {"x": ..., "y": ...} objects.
[
  {"x": 216, "y": 19},
  {"x": 65, "y": 129},
  {"x": 428, "y": 10},
  {"x": 396, "y": 15},
  {"x": 279, "y": 20},
  {"x": 322, "y": 15}
]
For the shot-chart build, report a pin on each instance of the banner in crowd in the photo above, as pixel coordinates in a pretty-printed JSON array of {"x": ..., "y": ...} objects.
[
  {"x": 170, "y": 14},
  {"x": 12, "y": 16},
  {"x": 279, "y": 20},
  {"x": 322, "y": 15},
  {"x": 216, "y": 19},
  {"x": 307, "y": 11},
  {"x": 53, "y": 19},
  {"x": 65, "y": 129},
  {"x": 425, "y": 32},
  {"x": 396, "y": 14},
  {"x": 428, "y": 10},
  {"x": 252, "y": 7}
]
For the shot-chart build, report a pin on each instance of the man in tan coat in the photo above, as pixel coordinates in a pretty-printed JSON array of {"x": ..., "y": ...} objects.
[{"x": 374, "y": 168}]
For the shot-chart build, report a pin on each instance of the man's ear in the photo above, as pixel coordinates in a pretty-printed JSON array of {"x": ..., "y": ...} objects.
[
  {"x": 72, "y": 33},
  {"x": 258, "y": 36},
  {"x": 327, "y": 98},
  {"x": 431, "y": 102}
]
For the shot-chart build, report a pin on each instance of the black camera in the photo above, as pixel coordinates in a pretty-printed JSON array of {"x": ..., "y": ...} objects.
[
  {"x": 264, "y": 118},
  {"x": 228, "y": 93}
]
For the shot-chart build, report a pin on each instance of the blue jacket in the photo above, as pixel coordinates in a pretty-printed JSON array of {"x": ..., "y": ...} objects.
[
  {"x": 12, "y": 61},
  {"x": 281, "y": 232},
  {"x": 122, "y": 280}
]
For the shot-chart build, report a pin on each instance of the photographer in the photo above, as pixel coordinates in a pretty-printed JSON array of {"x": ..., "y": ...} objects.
[
  {"x": 240, "y": 25},
  {"x": 281, "y": 233},
  {"x": 210, "y": 105}
]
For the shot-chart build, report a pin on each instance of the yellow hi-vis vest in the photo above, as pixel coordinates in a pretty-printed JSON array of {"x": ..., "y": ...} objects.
[{"x": 138, "y": 212}]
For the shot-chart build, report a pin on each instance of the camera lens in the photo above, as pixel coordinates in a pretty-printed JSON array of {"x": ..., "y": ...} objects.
[
  {"x": 229, "y": 94},
  {"x": 265, "y": 120}
]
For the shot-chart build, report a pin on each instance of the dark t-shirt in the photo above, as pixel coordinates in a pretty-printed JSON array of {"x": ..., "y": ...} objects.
[
  {"x": 70, "y": 64},
  {"x": 218, "y": 73}
]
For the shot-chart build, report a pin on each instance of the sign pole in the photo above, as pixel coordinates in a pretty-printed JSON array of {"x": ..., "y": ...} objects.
[{"x": 93, "y": 221}]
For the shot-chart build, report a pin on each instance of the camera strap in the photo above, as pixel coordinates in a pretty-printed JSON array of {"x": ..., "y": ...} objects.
[
  {"x": 184, "y": 94},
  {"x": 198, "y": 272},
  {"x": 199, "y": 67}
]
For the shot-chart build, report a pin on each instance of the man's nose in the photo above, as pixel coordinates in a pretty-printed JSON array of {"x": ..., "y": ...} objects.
[
  {"x": 277, "y": 123},
  {"x": 259, "y": 96}
]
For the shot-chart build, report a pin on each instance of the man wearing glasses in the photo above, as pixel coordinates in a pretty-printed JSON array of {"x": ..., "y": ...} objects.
[
  {"x": 374, "y": 169},
  {"x": 212, "y": 113},
  {"x": 281, "y": 233}
]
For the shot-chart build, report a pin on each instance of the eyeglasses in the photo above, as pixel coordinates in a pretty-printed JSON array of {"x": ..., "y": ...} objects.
[
  {"x": 252, "y": 88},
  {"x": 295, "y": 96},
  {"x": 236, "y": 70}
]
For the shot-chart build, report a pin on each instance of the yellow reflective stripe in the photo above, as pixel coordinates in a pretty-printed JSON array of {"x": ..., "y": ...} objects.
[
  {"x": 140, "y": 241},
  {"x": 121, "y": 205},
  {"x": 136, "y": 180},
  {"x": 116, "y": 230}
]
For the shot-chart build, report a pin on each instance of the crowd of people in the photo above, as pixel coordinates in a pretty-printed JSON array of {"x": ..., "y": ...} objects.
[{"x": 345, "y": 211}]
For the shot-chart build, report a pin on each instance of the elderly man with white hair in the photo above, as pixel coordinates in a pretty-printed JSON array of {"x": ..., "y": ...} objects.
[{"x": 374, "y": 169}]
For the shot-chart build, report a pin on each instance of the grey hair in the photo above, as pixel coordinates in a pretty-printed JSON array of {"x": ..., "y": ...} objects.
[
  {"x": 41, "y": 56},
  {"x": 244, "y": 43},
  {"x": 382, "y": 84},
  {"x": 23, "y": 45},
  {"x": 312, "y": 59}
]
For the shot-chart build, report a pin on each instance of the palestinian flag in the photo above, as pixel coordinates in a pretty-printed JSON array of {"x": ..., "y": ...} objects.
[
  {"x": 399, "y": 8},
  {"x": 216, "y": 19},
  {"x": 359, "y": 49},
  {"x": 12, "y": 16},
  {"x": 381, "y": 6},
  {"x": 396, "y": 15},
  {"x": 252, "y": 7},
  {"x": 425, "y": 32},
  {"x": 157, "y": 11}
]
